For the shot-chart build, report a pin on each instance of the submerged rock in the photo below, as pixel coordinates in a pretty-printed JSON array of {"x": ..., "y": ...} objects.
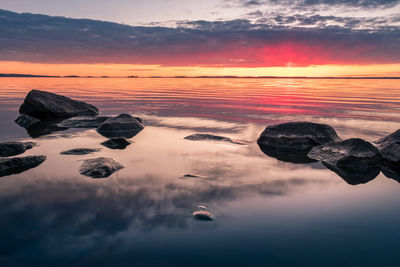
[
  {"x": 80, "y": 151},
  {"x": 83, "y": 122},
  {"x": 296, "y": 137},
  {"x": 124, "y": 125},
  {"x": 99, "y": 167},
  {"x": 9, "y": 166},
  {"x": 8, "y": 149},
  {"x": 45, "y": 105},
  {"x": 210, "y": 137},
  {"x": 286, "y": 156},
  {"x": 203, "y": 215},
  {"x": 355, "y": 175},
  {"x": 117, "y": 143},
  {"x": 351, "y": 152}
]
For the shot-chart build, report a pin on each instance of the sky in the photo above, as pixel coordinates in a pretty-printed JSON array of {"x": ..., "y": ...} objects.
[{"x": 208, "y": 37}]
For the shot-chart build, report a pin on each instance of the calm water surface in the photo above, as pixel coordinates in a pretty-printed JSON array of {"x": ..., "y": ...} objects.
[{"x": 268, "y": 212}]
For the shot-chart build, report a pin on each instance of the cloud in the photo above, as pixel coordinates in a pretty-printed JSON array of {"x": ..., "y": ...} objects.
[
  {"x": 305, "y": 3},
  {"x": 276, "y": 41}
]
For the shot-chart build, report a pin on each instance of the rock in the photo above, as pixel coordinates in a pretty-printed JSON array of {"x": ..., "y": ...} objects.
[
  {"x": 124, "y": 125},
  {"x": 99, "y": 167},
  {"x": 203, "y": 215},
  {"x": 351, "y": 152},
  {"x": 390, "y": 139},
  {"x": 9, "y": 166},
  {"x": 83, "y": 122},
  {"x": 195, "y": 176},
  {"x": 80, "y": 151},
  {"x": 391, "y": 153},
  {"x": 45, "y": 105},
  {"x": 296, "y": 137},
  {"x": 210, "y": 137},
  {"x": 355, "y": 175},
  {"x": 116, "y": 143},
  {"x": 8, "y": 149},
  {"x": 26, "y": 121}
]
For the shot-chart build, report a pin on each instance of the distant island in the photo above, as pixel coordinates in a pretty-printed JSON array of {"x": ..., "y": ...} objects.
[{"x": 13, "y": 75}]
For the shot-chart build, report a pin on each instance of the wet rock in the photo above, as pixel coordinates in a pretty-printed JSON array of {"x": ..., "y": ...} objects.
[
  {"x": 195, "y": 176},
  {"x": 83, "y": 122},
  {"x": 99, "y": 167},
  {"x": 296, "y": 138},
  {"x": 351, "y": 152},
  {"x": 9, "y": 166},
  {"x": 390, "y": 139},
  {"x": 210, "y": 137},
  {"x": 8, "y": 149},
  {"x": 203, "y": 215},
  {"x": 80, "y": 151},
  {"x": 391, "y": 153},
  {"x": 26, "y": 121},
  {"x": 45, "y": 105},
  {"x": 355, "y": 175},
  {"x": 116, "y": 143},
  {"x": 124, "y": 125}
]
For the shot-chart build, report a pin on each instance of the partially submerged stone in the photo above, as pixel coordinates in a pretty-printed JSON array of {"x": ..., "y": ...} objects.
[
  {"x": 8, "y": 149},
  {"x": 9, "y": 166},
  {"x": 296, "y": 137},
  {"x": 83, "y": 122},
  {"x": 211, "y": 137},
  {"x": 80, "y": 151},
  {"x": 203, "y": 215},
  {"x": 351, "y": 152},
  {"x": 194, "y": 176},
  {"x": 123, "y": 125},
  {"x": 45, "y": 105},
  {"x": 117, "y": 143},
  {"x": 99, "y": 167}
]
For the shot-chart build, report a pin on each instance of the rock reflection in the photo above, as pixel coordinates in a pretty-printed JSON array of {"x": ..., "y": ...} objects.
[
  {"x": 285, "y": 155},
  {"x": 43, "y": 128},
  {"x": 391, "y": 171},
  {"x": 355, "y": 175},
  {"x": 83, "y": 211}
]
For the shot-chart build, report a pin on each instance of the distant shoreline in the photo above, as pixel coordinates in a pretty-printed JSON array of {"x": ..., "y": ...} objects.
[{"x": 2, "y": 75}]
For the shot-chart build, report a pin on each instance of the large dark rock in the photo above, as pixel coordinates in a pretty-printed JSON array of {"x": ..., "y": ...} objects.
[
  {"x": 354, "y": 175},
  {"x": 8, "y": 149},
  {"x": 116, "y": 143},
  {"x": 210, "y": 137},
  {"x": 83, "y": 122},
  {"x": 124, "y": 125},
  {"x": 292, "y": 141},
  {"x": 45, "y": 105},
  {"x": 351, "y": 152},
  {"x": 9, "y": 166},
  {"x": 99, "y": 167},
  {"x": 80, "y": 151}
]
